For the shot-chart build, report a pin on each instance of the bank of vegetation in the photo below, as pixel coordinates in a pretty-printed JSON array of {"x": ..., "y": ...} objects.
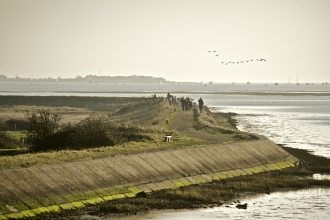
[{"x": 50, "y": 130}]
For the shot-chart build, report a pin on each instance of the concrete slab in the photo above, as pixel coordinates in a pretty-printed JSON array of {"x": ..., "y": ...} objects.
[
  {"x": 246, "y": 154},
  {"x": 156, "y": 166},
  {"x": 175, "y": 163},
  {"x": 188, "y": 162},
  {"x": 111, "y": 178},
  {"x": 146, "y": 169},
  {"x": 218, "y": 161},
  {"x": 171, "y": 171},
  {"x": 202, "y": 164},
  {"x": 207, "y": 161},
  {"x": 116, "y": 171},
  {"x": 67, "y": 182}
]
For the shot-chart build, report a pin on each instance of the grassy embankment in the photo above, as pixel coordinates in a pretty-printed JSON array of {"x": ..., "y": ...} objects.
[{"x": 137, "y": 111}]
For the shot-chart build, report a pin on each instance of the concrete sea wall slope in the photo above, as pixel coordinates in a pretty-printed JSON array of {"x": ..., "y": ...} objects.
[{"x": 31, "y": 191}]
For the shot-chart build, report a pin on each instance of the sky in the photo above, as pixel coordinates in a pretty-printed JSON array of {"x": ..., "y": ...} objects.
[{"x": 167, "y": 38}]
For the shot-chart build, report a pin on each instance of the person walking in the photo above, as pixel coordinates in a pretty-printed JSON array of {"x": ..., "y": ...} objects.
[
  {"x": 183, "y": 103},
  {"x": 201, "y": 105}
]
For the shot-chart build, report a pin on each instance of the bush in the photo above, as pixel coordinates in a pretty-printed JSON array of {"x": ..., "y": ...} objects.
[
  {"x": 90, "y": 132},
  {"x": 6, "y": 142},
  {"x": 45, "y": 133},
  {"x": 42, "y": 126}
]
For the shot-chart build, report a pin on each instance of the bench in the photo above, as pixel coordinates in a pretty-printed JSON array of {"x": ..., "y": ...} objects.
[{"x": 167, "y": 138}]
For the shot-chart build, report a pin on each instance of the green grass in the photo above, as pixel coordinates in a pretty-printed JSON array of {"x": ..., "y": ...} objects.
[
  {"x": 17, "y": 135},
  {"x": 24, "y": 159}
]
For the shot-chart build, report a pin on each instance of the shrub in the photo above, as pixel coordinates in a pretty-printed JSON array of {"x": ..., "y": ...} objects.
[
  {"x": 6, "y": 142},
  {"x": 44, "y": 133},
  {"x": 91, "y": 132},
  {"x": 42, "y": 126}
]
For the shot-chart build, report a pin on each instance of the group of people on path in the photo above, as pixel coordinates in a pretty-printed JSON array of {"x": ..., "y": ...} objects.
[
  {"x": 186, "y": 103},
  {"x": 171, "y": 99}
]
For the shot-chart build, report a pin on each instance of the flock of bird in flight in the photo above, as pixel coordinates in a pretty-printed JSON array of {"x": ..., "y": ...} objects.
[{"x": 237, "y": 62}]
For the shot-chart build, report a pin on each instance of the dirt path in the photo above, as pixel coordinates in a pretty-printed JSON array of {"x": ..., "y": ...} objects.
[{"x": 200, "y": 127}]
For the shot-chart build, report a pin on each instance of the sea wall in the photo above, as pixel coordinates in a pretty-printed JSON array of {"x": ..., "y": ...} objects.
[{"x": 31, "y": 191}]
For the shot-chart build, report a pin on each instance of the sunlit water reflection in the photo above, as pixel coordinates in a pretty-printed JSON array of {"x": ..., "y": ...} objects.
[{"x": 293, "y": 130}]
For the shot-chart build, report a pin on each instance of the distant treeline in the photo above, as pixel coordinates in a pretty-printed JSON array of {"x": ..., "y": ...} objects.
[
  {"x": 100, "y": 103},
  {"x": 90, "y": 79}
]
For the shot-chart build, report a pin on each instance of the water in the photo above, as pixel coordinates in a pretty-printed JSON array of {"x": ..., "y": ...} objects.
[
  {"x": 297, "y": 116},
  {"x": 43, "y": 88},
  {"x": 301, "y": 204},
  {"x": 295, "y": 121}
]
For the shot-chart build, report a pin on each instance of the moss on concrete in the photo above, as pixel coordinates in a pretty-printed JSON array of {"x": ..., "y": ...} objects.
[
  {"x": 221, "y": 175},
  {"x": 177, "y": 183},
  {"x": 92, "y": 201},
  {"x": 236, "y": 172},
  {"x": 134, "y": 189},
  {"x": 19, "y": 206},
  {"x": 213, "y": 176},
  {"x": 290, "y": 163},
  {"x": 272, "y": 166},
  {"x": 67, "y": 206},
  {"x": 47, "y": 209},
  {"x": 78, "y": 204},
  {"x": 199, "y": 179},
  {"x": 282, "y": 165},
  {"x": 108, "y": 198},
  {"x": 185, "y": 181},
  {"x": 17, "y": 215}
]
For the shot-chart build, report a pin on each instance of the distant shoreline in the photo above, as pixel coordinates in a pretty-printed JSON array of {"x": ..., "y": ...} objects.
[{"x": 6, "y": 93}]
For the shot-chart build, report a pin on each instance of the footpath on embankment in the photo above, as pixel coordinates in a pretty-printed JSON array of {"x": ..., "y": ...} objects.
[{"x": 31, "y": 191}]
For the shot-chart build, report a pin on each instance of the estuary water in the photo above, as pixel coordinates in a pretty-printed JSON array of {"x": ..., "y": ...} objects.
[{"x": 296, "y": 116}]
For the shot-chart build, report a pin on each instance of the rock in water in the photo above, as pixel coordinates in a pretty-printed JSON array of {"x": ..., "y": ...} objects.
[
  {"x": 142, "y": 194},
  {"x": 241, "y": 206}
]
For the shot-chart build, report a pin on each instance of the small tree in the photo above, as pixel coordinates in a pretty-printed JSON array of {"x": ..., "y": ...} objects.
[{"x": 42, "y": 125}]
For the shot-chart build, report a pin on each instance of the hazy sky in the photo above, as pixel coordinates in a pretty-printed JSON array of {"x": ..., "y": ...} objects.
[{"x": 167, "y": 38}]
